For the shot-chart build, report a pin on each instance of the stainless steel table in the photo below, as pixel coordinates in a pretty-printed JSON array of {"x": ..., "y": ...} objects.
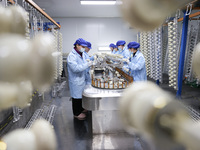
[{"x": 105, "y": 111}]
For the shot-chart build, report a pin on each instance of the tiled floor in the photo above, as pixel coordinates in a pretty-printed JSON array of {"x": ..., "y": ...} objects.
[{"x": 73, "y": 134}]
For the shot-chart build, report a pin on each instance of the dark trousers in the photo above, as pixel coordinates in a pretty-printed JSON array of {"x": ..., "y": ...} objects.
[{"x": 77, "y": 106}]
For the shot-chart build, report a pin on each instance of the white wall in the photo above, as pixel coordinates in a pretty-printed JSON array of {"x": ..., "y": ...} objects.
[{"x": 98, "y": 31}]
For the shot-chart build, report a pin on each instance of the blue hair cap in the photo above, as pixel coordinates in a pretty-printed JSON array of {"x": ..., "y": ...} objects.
[
  {"x": 112, "y": 45},
  {"x": 121, "y": 42},
  {"x": 81, "y": 42},
  {"x": 133, "y": 45},
  {"x": 89, "y": 45}
]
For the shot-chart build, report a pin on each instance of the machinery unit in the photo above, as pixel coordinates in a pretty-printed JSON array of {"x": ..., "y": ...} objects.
[
  {"x": 107, "y": 72},
  {"x": 102, "y": 96}
]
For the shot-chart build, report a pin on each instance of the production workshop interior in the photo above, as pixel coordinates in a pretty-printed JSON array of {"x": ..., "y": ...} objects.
[{"x": 99, "y": 74}]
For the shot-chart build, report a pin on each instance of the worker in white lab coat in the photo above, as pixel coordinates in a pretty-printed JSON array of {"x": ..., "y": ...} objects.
[
  {"x": 113, "y": 48},
  {"x": 88, "y": 58},
  {"x": 136, "y": 63},
  {"x": 77, "y": 66},
  {"x": 122, "y": 50}
]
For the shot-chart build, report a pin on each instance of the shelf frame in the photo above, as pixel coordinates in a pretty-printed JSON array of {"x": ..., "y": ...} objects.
[{"x": 34, "y": 5}]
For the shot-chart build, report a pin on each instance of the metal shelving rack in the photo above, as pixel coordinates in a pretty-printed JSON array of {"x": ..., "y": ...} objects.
[
  {"x": 181, "y": 45},
  {"x": 38, "y": 9},
  {"x": 31, "y": 7}
]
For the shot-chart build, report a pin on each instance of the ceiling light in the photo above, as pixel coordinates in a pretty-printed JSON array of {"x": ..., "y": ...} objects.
[{"x": 98, "y": 2}]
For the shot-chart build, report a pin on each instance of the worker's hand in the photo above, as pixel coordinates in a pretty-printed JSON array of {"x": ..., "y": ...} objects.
[
  {"x": 95, "y": 57},
  {"x": 90, "y": 63},
  {"x": 94, "y": 62},
  {"x": 126, "y": 60},
  {"x": 87, "y": 60},
  {"x": 91, "y": 72},
  {"x": 126, "y": 69}
]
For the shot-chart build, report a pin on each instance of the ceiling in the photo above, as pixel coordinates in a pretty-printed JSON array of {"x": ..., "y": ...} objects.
[{"x": 73, "y": 8}]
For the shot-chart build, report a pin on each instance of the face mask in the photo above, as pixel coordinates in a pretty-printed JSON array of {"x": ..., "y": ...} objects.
[
  {"x": 82, "y": 50},
  {"x": 131, "y": 54},
  {"x": 119, "y": 49}
]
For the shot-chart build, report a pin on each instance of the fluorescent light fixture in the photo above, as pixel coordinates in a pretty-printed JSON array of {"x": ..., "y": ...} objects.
[
  {"x": 104, "y": 48},
  {"x": 98, "y": 2}
]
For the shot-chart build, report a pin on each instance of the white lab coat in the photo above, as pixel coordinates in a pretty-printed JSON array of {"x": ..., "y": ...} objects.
[
  {"x": 137, "y": 66},
  {"x": 76, "y": 66}
]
